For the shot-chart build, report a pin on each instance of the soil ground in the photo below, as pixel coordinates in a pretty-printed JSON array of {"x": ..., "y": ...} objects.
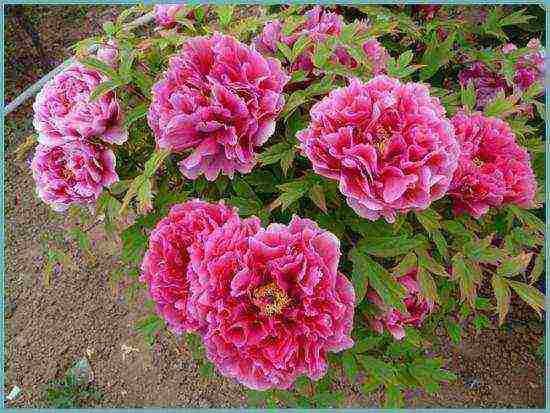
[{"x": 80, "y": 314}]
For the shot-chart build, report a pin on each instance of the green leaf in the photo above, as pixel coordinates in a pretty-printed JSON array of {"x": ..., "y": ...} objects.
[
  {"x": 136, "y": 113},
  {"x": 350, "y": 366},
  {"x": 134, "y": 244},
  {"x": 225, "y": 13},
  {"x": 148, "y": 327},
  {"x": 481, "y": 321},
  {"x": 155, "y": 161},
  {"x": 391, "y": 292},
  {"x": 455, "y": 332},
  {"x": 514, "y": 266},
  {"x": 467, "y": 277},
  {"x": 145, "y": 197},
  {"x": 102, "y": 67},
  {"x": 538, "y": 268},
  {"x": 428, "y": 288},
  {"x": 380, "y": 370},
  {"x": 529, "y": 294},
  {"x": 81, "y": 238},
  {"x": 102, "y": 89},
  {"x": 437, "y": 54},
  {"x": 394, "y": 397},
  {"x": 527, "y": 218},
  {"x": 366, "y": 344},
  {"x": 405, "y": 58},
  {"x": 299, "y": 46},
  {"x": 285, "y": 50},
  {"x": 291, "y": 192},
  {"x": 295, "y": 100},
  {"x": 408, "y": 263},
  {"x": 499, "y": 107},
  {"x": 317, "y": 195},
  {"x": 429, "y": 219},
  {"x": 502, "y": 294},
  {"x": 468, "y": 96},
  {"x": 388, "y": 246},
  {"x": 427, "y": 262},
  {"x": 246, "y": 206}
]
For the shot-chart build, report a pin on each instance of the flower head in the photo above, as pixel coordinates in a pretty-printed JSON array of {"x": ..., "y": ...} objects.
[
  {"x": 388, "y": 144},
  {"x": 220, "y": 99},
  {"x": 394, "y": 320},
  {"x": 64, "y": 112},
  {"x": 164, "y": 267},
  {"x": 72, "y": 173},
  {"x": 493, "y": 170},
  {"x": 165, "y": 14},
  {"x": 273, "y": 301},
  {"x": 486, "y": 82}
]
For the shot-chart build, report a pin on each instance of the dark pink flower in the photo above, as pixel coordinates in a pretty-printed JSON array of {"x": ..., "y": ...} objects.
[
  {"x": 377, "y": 56},
  {"x": 388, "y": 144},
  {"x": 530, "y": 67},
  {"x": 394, "y": 320},
  {"x": 487, "y": 83},
  {"x": 164, "y": 267},
  {"x": 273, "y": 300},
  {"x": 64, "y": 112},
  {"x": 492, "y": 170},
  {"x": 219, "y": 98},
  {"x": 72, "y": 173}
]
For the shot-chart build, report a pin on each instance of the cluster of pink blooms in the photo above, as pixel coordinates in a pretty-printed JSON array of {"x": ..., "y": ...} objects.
[
  {"x": 71, "y": 164},
  {"x": 493, "y": 170},
  {"x": 268, "y": 303},
  {"x": 392, "y": 319},
  {"x": 219, "y": 98},
  {"x": 488, "y": 83},
  {"x": 387, "y": 143},
  {"x": 318, "y": 27}
]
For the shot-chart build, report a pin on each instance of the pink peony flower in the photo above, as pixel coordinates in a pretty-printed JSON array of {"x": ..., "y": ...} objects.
[
  {"x": 492, "y": 170},
  {"x": 388, "y": 144},
  {"x": 318, "y": 27},
  {"x": 164, "y": 267},
  {"x": 273, "y": 300},
  {"x": 72, "y": 173},
  {"x": 394, "y": 320},
  {"x": 63, "y": 111},
  {"x": 377, "y": 56},
  {"x": 108, "y": 53},
  {"x": 487, "y": 83},
  {"x": 219, "y": 98},
  {"x": 165, "y": 14},
  {"x": 530, "y": 67}
]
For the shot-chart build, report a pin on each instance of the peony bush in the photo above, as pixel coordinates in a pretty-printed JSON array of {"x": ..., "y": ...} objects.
[{"x": 306, "y": 193}]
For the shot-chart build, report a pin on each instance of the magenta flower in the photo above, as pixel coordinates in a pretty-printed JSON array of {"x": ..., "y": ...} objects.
[
  {"x": 418, "y": 308},
  {"x": 487, "y": 83},
  {"x": 273, "y": 300},
  {"x": 492, "y": 170},
  {"x": 377, "y": 56},
  {"x": 73, "y": 173},
  {"x": 165, "y": 14},
  {"x": 530, "y": 67},
  {"x": 388, "y": 144},
  {"x": 219, "y": 98},
  {"x": 63, "y": 111},
  {"x": 164, "y": 267}
]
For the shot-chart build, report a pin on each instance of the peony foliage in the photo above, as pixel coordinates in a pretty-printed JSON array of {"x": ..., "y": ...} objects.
[{"x": 306, "y": 193}]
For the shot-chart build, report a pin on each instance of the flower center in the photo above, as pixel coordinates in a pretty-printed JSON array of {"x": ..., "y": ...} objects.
[
  {"x": 383, "y": 136},
  {"x": 478, "y": 162},
  {"x": 271, "y": 299}
]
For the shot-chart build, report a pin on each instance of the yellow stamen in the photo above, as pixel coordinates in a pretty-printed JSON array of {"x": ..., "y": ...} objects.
[{"x": 271, "y": 292}]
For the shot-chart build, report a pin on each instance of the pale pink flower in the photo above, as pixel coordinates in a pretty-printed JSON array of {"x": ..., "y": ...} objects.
[
  {"x": 273, "y": 300},
  {"x": 72, "y": 173},
  {"x": 487, "y": 83},
  {"x": 220, "y": 99},
  {"x": 64, "y": 112},
  {"x": 108, "y": 53},
  {"x": 493, "y": 169},
  {"x": 392, "y": 319},
  {"x": 164, "y": 267},
  {"x": 387, "y": 143}
]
